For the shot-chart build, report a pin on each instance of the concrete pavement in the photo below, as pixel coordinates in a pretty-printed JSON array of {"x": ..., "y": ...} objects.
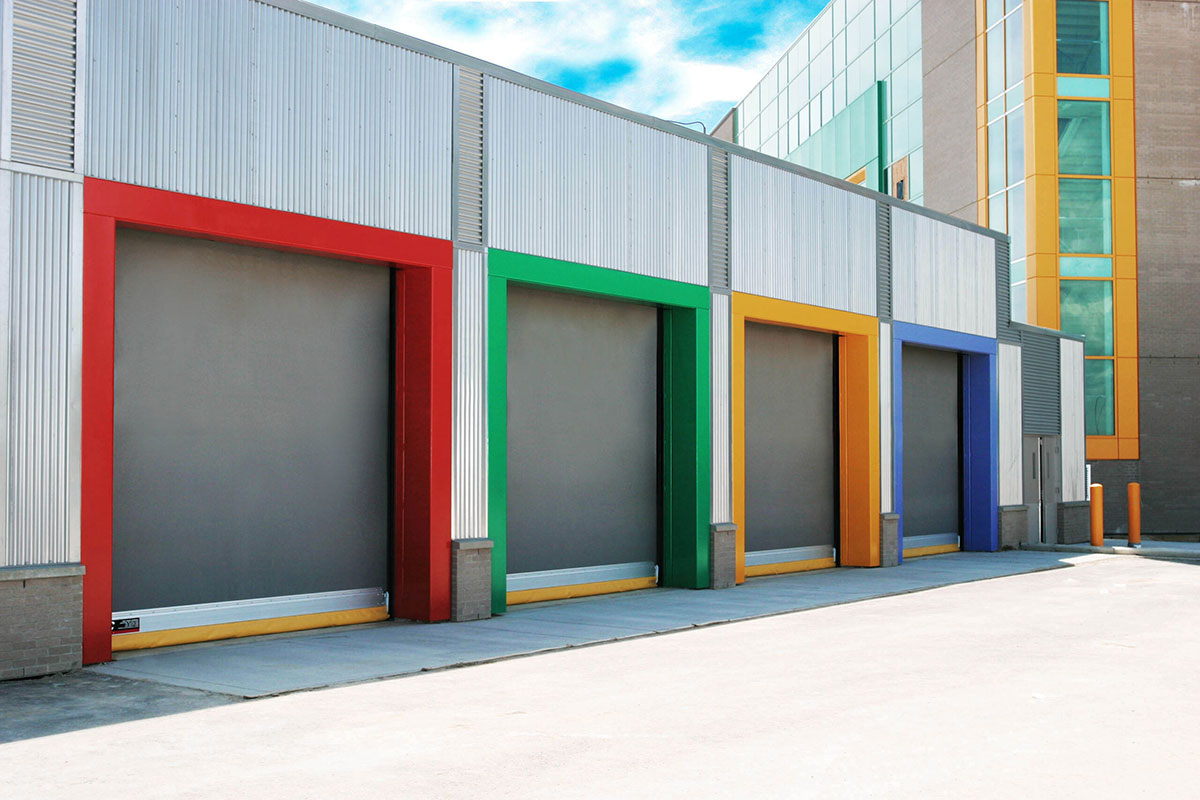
[{"x": 1067, "y": 683}]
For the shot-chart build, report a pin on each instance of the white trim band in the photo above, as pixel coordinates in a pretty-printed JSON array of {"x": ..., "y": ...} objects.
[
  {"x": 760, "y": 558},
  {"x": 930, "y": 540}
]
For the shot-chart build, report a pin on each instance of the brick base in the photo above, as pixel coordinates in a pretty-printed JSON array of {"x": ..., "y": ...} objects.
[
  {"x": 889, "y": 539},
  {"x": 1075, "y": 522},
  {"x": 722, "y": 559},
  {"x": 470, "y": 579},
  {"x": 41, "y": 620},
  {"x": 1014, "y": 526}
]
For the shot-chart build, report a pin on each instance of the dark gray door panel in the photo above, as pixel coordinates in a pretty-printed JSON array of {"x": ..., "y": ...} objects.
[{"x": 932, "y": 444}]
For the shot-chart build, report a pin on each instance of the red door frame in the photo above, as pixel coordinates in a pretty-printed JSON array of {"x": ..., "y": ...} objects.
[{"x": 421, "y": 554}]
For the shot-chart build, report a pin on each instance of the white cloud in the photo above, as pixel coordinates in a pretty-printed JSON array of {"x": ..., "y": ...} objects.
[{"x": 542, "y": 37}]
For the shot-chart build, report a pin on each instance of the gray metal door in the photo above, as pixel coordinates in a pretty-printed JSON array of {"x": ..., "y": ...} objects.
[
  {"x": 791, "y": 434},
  {"x": 582, "y": 431},
  {"x": 1032, "y": 469},
  {"x": 932, "y": 442},
  {"x": 250, "y": 423},
  {"x": 1051, "y": 487}
]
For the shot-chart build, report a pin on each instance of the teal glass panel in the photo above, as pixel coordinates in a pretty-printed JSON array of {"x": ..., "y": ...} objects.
[
  {"x": 996, "y": 219},
  {"x": 995, "y": 108},
  {"x": 1086, "y": 308},
  {"x": 882, "y": 15},
  {"x": 1082, "y": 27},
  {"x": 1017, "y": 298},
  {"x": 1098, "y": 397},
  {"x": 1083, "y": 87},
  {"x": 1011, "y": 5},
  {"x": 995, "y": 61},
  {"x": 1014, "y": 59},
  {"x": 1084, "y": 215},
  {"x": 1015, "y": 96},
  {"x": 1016, "y": 271},
  {"x": 916, "y": 172},
  {"x": 883, "y": 57},
  {"x": 996, "y": 180},
  {"x": 1083, "y": 138},
  {"x": 1085, "y": 267},
  {"x": 1016, "y": 220},
  {"x": 995, "y": 11},
  {"x": 1016, "y": 146}
]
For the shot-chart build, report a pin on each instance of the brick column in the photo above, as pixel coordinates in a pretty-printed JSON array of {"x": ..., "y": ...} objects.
[
  {"x": 41, "y": 613},
  {"x": 470, "y": 579},
  {"x": 722, "y": 559},
  {"x": 889, "y": 539}
]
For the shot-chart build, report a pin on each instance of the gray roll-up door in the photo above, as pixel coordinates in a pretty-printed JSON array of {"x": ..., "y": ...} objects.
[
  {"x": 791, "y": 429},
  {"x": 582, "y": 431},
  {"x": 932, "y": 443},
  {"x": 250, "y": 425}
]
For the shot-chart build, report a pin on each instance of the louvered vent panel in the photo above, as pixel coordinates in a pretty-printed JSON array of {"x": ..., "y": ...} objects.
[
  {"x": 1040, "y": 398},
  {"x": 883, "y": 243},
  {"x": 469, "y": 122},
  {"x": 719, "y": 221},
  {"x": 43, "y": 83},
  {"x": 1004, "y": 295}
]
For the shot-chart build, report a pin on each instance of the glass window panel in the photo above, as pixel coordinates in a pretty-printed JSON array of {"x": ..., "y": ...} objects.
[
  {"x": 1011, "y": 5},
  {"x": 995, "y": 11},
  {"x": 840, "y": 95},
  {"x": 826, "y": 104},
  {"x": 1083, "y": 137},
  {"x": 883, "y": 57},
  {"x": 1015, "y": 96},
  {"x": 814, "y": 115},
  {"x": 821, "y": 32},
  {"x": 839, "y": 13},
  {"x": 1016, "y": 146},
  {"x": 1014, "y": 59},
  {"x": 839, "y": 52},
  {"x": 793, "y": 135},
  {"x": 1098, "y": 397},
  {"x": 996, "y": 219},
  {"x": 1083, "y": 87},
  {"x": 1016, "y": 220},
  {"x": 1018, "y": 311},
  {"x": 1016, "y": 271},
  {"x": 996, "y": 180},
  {"x": 771, "y": 147},
  {"x": 1082, "y": 267},
  {"x": 1082, "y": 27},
  {"x": 916, "y": 171},
  {"x": 1084, "y": 215},
  {"x": 1087, "y": 309},
  {"x": 995, "y": 108},
  {"x": 882, "y": 15},
  {"x": 995, "y": 59}
]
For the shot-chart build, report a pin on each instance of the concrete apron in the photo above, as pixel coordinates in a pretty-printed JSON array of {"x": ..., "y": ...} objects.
[
  {"x": 272, "y": 665},
  {"x": 1120, "y": 547}
]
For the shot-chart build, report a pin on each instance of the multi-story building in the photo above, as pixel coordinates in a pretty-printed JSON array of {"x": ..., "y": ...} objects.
[{"x": 1067, "y": 124}]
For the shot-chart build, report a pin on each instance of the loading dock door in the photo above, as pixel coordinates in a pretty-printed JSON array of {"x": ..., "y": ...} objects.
[
  {"x": 932, "y": 448},
  {"x": 582, "y": 439},
  {"x": 791, "y": 437},
  {"x": 250, "y": 424}
]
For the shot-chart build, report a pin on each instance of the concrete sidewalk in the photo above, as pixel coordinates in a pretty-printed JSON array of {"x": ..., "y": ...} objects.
[
  {"x": 271, "y": 665},
  {"x": 1120, "y": 547}
]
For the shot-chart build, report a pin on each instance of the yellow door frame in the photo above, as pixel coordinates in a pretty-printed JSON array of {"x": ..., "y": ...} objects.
[{"x": 858, "y": 414}]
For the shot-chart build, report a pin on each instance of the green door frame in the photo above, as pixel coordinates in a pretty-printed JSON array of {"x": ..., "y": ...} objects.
[{"x": 686, "y": 446}]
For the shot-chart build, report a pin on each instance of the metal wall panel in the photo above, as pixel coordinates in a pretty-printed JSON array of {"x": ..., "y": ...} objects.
[
  {"x": 41, "y": 254},
  {"x": 793, "y": 238},
  {"x": 245, "y": 102},
  {"x": 722, "y": 453},
  {"x": 943, "y": 276},
  {"x": 577, "y": 184},
  {"x": 1073, "y": 441},
  {"x": 41, "y": 96},
  {"x": 469, "y": 518},
  {"x": 1008, "y": 376},
  {"x": 1041, "y": 402},
  {"x": 885, "y": 418}
]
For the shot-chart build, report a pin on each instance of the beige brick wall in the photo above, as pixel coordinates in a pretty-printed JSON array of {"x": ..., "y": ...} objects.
[{"x": 40, "y": 625}]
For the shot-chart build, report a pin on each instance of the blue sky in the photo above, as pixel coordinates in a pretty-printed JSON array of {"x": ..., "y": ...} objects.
[{"x": 682, "y": 60}]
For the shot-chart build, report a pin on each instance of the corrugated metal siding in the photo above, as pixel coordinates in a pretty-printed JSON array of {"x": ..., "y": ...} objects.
[
  {"x": 1004, "y": 295},
  {"x": 43, "y": 83},
  {"x": 469, "y": 515},
  {"x": 1040, "y": 399},
  {"x": 886, "y": 502},
  {"x": 573, "y": 183},
  {"x": 883, "y": 242},
  {"x": 1074, "y": 443},
  {"x": 722, "y": 453},
  {"x": 719, "y": 222},
  {"x": 943, "y": 276},
  {"x": 249, "y": 103},
  {"x": 39, "y": 280},
  {"x": 468, "y": 155},
  {"x": 796, "y": 239},
  {"x": 1009, "y": 378}
]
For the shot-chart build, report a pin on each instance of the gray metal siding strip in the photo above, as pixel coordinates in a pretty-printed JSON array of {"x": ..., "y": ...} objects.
[
  {"x": 468, "y": 227},
  {"x": 883, "y": 243},
  {"x": 719, "y": 221},
  {"x": 1040, "y": 397},
  {"x": 1004, "y": 331},
  {"x": 469, "y": 509}
]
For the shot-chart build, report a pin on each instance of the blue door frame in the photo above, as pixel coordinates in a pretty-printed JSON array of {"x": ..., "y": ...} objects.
[{"x": 981, "y": 427}]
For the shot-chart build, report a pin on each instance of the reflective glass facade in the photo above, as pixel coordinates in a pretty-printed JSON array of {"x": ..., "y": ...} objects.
[{"x": 853, "y": 49}]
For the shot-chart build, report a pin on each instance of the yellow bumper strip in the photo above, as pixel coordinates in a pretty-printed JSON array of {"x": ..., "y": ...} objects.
[
  {"x": 784, "y": 567},
  {"x": 936, "y": 549},
  {"x": 580, "y": 590}
]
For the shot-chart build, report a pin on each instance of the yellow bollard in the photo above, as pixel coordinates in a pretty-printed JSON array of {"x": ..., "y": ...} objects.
[
  {"x": 1097, "y": 515},
  {"x": 1135, "y": 515}
]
